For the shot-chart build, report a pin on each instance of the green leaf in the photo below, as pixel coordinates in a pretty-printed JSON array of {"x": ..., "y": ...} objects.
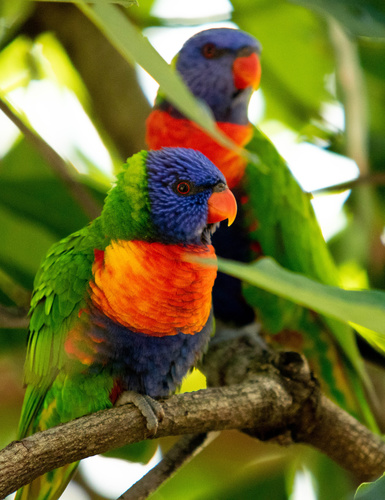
[
  {"x": 23, "y": 245},
  {"x": 294, "y": 67},
  {"x": 30, "y": 189},
  {"x": 360, "y": 18},
  {"x": 134, "y": 47},
  {"x": 137, "y": 452},
  {"x": 371, "y": 491},
  {"x": 364, "y": 307},
  {"x": 125, "y": 3},
  {"x": 12, "y": 14}
]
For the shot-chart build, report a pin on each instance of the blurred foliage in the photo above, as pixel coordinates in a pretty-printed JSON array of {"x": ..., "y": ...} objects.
[{"x": 55, "y": 43}]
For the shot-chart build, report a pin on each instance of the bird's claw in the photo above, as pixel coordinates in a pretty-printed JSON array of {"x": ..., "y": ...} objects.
[{"x": 151, "y": 409}]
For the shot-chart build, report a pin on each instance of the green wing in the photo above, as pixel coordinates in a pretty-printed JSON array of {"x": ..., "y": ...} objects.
[
  {"x": 59, "y": 294},
  {"x": 288, "y": 231},
  {"x": 287, "y": 226}
]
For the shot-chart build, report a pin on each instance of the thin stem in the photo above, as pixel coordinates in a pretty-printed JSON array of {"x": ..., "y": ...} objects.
[
  {"x": 377, "y": 179},
  {"x": 180, "y": 454}
]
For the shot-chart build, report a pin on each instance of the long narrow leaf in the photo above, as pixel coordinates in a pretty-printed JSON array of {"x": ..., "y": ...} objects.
[
  {"x": 363, "y": 307},
  {"x": 134, "y": 47}
]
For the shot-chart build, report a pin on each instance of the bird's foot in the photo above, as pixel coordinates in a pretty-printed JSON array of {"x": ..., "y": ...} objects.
[{"x": 151, "y": 409}]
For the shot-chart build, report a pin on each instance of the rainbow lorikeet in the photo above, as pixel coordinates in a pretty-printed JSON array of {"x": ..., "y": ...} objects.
[
  {"x": 222, "y": 68},
  {"x": 124, "y": 304}
]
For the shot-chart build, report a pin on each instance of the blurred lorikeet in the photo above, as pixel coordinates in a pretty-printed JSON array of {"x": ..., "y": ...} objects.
[
  {"x": 124, "y": 304},
  {"x": 222, "y": 68}
]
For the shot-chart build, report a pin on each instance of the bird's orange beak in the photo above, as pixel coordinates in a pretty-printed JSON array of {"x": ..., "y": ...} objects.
[
  {"x": 222, "y": 205},
  {"x": 247, "y": 71}
]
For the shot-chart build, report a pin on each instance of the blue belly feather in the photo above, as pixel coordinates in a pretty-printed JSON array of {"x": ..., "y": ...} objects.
[{"x": 145, "y": 364}]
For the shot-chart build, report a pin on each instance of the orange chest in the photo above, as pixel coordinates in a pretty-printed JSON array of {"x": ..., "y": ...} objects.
[
  {"x": 152, "y": 288},
  {"x": 163, "y": 130}
]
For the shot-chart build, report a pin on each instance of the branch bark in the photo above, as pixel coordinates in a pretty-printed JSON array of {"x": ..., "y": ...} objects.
[
  {"x": 13, "y": 317},
  {"x": 273, "y": 404},
  {"x": 375, "y": 179}
]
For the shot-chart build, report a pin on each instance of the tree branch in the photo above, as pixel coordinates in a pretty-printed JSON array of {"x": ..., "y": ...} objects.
[
  {"x": 272, "y": 403},
  {"x": 17, "y": 293},
  {"x": 13, "y": 317},
  {"x": 58, "y": 165},
  {"x": 376, "y": 179},
  {"x": 180, "y": 454}
]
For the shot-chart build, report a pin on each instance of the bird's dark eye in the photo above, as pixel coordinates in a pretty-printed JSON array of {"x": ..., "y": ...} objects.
[
  {"x": 209, "y": 51},
  {"x": 183, "y": 188}
]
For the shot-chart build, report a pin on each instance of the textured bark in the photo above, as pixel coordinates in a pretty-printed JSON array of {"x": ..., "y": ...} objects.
[
  {"x": 202, "y": 411},
  {"x": 315, "y": 420},
  {"x": 345, "y": 441},
  {"x": 270, "y": 403}
]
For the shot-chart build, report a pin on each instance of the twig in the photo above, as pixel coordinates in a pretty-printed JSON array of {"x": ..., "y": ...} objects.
[
  {"x": 16, "y": 292},
  {"x": 271, "y": 403},
  {"x": 60, "y": 167},
  {"x": 13, "y": 317},
  {"x": 180, "y": 454},
  {"x": 377, "y": 179}
]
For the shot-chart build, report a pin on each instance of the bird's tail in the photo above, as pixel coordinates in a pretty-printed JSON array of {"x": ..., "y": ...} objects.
[{"x": 50, "y": 486}]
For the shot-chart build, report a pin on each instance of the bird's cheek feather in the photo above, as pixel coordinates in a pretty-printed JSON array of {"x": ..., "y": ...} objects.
[
  {"x": 247, "y": 72},
  {"x": 222, "y": 205}
]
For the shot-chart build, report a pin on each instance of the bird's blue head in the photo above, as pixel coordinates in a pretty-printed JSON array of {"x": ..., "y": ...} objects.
[
  {"x": 221, "y": 66},
  {"x": 188, "y": 196}
]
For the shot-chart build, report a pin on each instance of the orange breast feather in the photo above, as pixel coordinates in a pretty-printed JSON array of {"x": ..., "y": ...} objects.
[{"x": 153, "y": 288}]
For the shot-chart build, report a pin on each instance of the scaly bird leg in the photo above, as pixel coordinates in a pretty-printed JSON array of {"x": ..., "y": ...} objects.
[{"x": 151, "y": 409}]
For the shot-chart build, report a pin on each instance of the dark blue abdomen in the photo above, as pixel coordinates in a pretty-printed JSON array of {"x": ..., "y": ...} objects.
[{"x": 145, "y": 364}]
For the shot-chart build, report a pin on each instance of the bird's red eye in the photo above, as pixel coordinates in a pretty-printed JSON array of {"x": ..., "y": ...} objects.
[
  {"x": 209, "y": 50},
  {"x": 183, "y": 187}
]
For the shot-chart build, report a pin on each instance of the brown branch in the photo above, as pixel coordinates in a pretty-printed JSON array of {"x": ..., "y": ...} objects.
[
  {"x": 16, "y": 292},
  {"x": 180, "y": 454},
  {"x": 273, "y": 404},
  {"x": 235, "y": 359},
  {"x": 58, "y": 165},
  {"x": 13, "y": 317},
  {"x": 377, "y": 179},
  {"x": 330, "y": 418},
  {"x": 202, "y": 411}
]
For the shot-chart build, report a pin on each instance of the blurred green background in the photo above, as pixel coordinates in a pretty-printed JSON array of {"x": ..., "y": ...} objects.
[{"x": 322, "y": 84}]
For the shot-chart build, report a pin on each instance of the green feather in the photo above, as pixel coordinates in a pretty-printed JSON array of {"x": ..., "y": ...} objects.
[
  {"x": 288, "y": 231},
  {"x": 129, "y": 197},
  {"x": 61, "y": 285},
  {"x": 61, "y": 290}
]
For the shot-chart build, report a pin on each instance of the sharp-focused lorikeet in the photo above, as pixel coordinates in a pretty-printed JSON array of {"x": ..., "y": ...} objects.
[
  {"x": 222, "y": 68},
  {"x": 124, "y": 304}
]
